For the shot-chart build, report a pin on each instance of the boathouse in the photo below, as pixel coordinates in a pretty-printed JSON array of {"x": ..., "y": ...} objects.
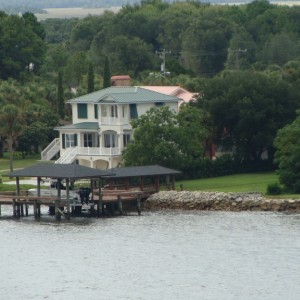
[
  {"x": 144, "y": 178},
  {"x": 108, "y": 188},
  {"x": 67, "y": 172}
]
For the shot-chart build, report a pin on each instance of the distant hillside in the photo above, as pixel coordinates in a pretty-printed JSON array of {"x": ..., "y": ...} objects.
[
  {"x": 15, "y": 6},
  {"x": 38, "y": 5}
]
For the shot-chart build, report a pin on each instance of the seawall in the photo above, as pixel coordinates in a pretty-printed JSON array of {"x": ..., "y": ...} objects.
[{"x": 219, "y": 201}]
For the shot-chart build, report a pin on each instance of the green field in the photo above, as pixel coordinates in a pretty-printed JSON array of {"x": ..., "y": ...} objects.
[
  {"x": 255, "y": 182},
  {"x": 18, "y": 163}
]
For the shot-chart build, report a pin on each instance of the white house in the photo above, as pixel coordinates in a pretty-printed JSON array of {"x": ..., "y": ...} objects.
[{"x": 100, "y": 128}]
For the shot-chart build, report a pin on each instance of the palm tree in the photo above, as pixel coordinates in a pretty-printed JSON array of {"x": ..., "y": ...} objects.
[{"x": 11, "y": 126}]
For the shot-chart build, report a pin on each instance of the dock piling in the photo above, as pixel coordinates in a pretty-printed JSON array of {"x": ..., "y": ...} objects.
[
  {"x": 26, "y": 210},
  {"x": 14, "y": 208},
  {"x": 138, "y": 203},
  {"x": 57, "y": 210},
  {"x": 35, "y": 209},
  {"x": 120, "y": 204}
]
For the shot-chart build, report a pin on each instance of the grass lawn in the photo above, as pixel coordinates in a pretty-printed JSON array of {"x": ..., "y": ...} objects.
[
  {"x": 18, "y": 163},
  {"x": 255, "y": 182}
]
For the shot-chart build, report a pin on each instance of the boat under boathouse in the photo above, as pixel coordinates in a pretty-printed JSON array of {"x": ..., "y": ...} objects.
[{"x": 108, "y": 189}]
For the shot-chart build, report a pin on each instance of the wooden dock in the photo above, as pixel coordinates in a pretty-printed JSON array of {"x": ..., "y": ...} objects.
[{"x": 109, "y": 200}]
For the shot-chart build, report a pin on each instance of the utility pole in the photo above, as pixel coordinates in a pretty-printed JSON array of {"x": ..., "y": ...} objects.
[
  {"x": 237, "y": 56},
  {"x": 162, "y": 55}
]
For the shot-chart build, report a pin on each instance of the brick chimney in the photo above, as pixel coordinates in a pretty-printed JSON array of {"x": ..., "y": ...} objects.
[{"x": 120, "y": 80}]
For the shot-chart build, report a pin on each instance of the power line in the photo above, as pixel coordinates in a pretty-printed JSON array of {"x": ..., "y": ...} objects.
[
  {"x": 237, "y": 55},
  {"x": 162, "y": 55}
]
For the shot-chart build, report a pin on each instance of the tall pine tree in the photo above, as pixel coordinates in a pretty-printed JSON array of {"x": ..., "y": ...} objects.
[
  {"x": 106, "y": 74},
  {"x": 90, "y": 79},
  {"x": 60, "y": 96}
]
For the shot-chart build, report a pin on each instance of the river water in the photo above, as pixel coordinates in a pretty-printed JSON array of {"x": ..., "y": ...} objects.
[{"x": 158, "y": 255}]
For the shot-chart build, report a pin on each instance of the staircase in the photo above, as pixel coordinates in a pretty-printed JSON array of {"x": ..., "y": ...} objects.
[
  {"x": 51, "y": 150},
  {"x": 68, "y": 157}
]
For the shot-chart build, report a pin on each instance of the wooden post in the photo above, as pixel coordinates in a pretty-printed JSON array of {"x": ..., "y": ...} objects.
[
  {"x": 92, "y": 189},
  {"x": 68, "y": 197},
  {"x": 35, "y": 209},
  {"x": 57, "y": 213},
  {"x": 39, "y": 186},
  {"x": 38, "y": 210},
  {"x": 120, "y": 204},
  {"x": 173, "y": 182},
  {"x": 26, "y": 209},
  {"x": 138, "y": 204},
  {"x": 22, "y": 209},
  {"x": 112, "y": 208},
  {"x": 14, "y": 208},
  {"x": 18, "y": 186},
  {"x": 168, "y": 182},
  {"x": 99, "y": 206},
  {"x": 157, "y": 184},
  {"x": 58, "y": 188},
  {"x": 18, "y": 210},
  {"x": 0, "y": 209}
]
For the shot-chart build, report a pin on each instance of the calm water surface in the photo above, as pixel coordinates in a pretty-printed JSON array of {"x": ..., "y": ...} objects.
[{"x": 159, "y": 255}]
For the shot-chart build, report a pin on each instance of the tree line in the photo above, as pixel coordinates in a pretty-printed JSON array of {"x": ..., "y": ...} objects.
[{"x": 243, "y": 61}]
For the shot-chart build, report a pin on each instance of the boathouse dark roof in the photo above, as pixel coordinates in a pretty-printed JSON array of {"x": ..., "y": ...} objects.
[
  {"x": 141, "y": 171},
  {"x": 49, "y": 170}
]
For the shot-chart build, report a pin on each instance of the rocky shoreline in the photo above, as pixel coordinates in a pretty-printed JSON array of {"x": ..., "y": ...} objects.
[{"x": 219, "y": 201}]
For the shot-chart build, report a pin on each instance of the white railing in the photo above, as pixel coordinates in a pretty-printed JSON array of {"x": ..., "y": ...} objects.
[
  {"x": 98, "y": 151},
  {"x": 70, "y": 154},
  {"x": 114, "y": 121},
  {"x": 51, "y": 150}
]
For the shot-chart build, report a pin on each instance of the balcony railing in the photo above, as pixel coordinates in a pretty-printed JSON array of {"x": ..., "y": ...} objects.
[
  {"x": 114, "y": 121},
  {"x": 99, "y": 151},
  {"x": 70, "y": 154}
]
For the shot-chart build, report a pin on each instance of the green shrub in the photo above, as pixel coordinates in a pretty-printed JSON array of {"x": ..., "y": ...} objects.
[{"x": 274, "y": 189}]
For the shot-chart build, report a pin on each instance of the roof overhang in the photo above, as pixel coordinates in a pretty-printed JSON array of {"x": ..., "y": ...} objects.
[
  {"x": 142, "y": 171},
  {"x": 60, "y": 171}
]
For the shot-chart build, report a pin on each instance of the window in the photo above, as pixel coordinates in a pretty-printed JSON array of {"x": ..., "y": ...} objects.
[
  {"x": 69, "y": 140},
  {"x": 103, "y": 110},
  {"x": 160, "y": 104},
  {"x": 110, "y": 140},
  {"x": 96, "y": 111},
  {"x": 133, "y": 111},
  {"x": 87, "y": 140},
  {"x": 114, "y": 111},
  {"x": 82, "y": 110},
  {"x": 126, "y": 139}
]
